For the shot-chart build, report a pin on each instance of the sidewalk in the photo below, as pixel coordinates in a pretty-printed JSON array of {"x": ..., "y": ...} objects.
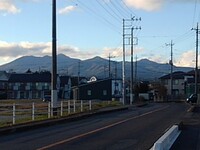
[{"x": 189, "y": 139}]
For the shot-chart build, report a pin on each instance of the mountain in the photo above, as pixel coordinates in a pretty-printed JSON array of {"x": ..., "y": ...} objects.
[{"x": 97, "y": 66}]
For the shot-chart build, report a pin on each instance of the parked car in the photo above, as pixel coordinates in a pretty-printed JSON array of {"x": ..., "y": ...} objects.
[
  {"x": 192, "y": 98},
  {"x": 47, "y": 98}
]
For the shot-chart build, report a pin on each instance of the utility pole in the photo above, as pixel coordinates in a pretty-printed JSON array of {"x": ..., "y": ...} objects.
[
  {"x": 78, "y": 93},
  {"x": 132, "y": 44},
  {"x": 116, "y": 70},
  {"x": 115, "y": 79},
  {"x": 171, "y": 63},
  {"x": 126, "y": 35},
  {"x": 109, "y": 57},
  {"x": 136, "y": 68},
  {"x": 123, "y": 67},
  {"x": 196, "y": 67},
  {"x": 54, "y": 95}
]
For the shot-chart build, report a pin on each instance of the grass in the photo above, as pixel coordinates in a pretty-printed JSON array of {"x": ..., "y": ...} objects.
[{"x": 24, "y": 110}]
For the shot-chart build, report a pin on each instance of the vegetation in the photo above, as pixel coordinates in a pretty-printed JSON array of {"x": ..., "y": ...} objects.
[{"x": 24, "y": 112}]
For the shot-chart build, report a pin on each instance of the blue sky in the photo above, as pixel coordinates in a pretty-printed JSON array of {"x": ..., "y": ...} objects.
[{"x": 89, "y": 28}]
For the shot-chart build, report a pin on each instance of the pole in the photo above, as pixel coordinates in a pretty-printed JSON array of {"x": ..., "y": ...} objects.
[
  {"x": 109, "y": 65},
  {"x": 196, "y": 68},
  {"x": 78, "y": 92},
  {"x": 54, "y": 61},
  {"x": 123, "y": 66},
  {"x": 171, "y": 44},
  {"x": 126, "y": 35},
  {"x": 131, "y": 86},
  {"x": 136, "y": 69},
  {"x": 171, "y": 70}
]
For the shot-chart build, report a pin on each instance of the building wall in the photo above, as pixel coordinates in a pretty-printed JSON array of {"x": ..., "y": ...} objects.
[
  {"x": 116, "y": 88},
  {"x": 28, "y": 90},
  {"x": 97, "y": 90},
  {"x": 178, "y": 86}
]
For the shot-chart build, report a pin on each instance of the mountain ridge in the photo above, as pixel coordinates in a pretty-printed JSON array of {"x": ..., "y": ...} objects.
[{"x": 96, "y": 66}]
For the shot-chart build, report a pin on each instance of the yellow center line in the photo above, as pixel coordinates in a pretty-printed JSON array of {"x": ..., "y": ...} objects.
[{"x": 99, "y": 129}]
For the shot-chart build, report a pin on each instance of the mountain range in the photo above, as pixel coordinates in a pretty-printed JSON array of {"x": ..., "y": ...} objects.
[{"x": 97, "y": 66}]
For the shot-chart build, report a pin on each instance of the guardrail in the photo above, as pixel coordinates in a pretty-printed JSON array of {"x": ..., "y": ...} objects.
[
  {"x": 166, "y": 141},
  {"x": 11, "y": 114}
]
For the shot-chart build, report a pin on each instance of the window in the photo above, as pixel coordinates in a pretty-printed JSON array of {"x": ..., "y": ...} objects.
[
  {"x": 175, "y": 82},
  {"x": 46, "y": 86},
  {"x": 104, "y": 92},
  {"x": 89, "y": 92},
  {"x": 165, "y": 82}
]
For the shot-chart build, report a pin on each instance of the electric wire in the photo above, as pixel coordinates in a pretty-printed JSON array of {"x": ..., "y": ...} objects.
[
  {"x": 117, "y": 18},
  {"x": 113, "y": 10},
  {"x": 194, "y": 15},
  {"x": 131, "y": 12},
  {"x": 119, "y": 10},
  {"x": 111, "y": 25}
]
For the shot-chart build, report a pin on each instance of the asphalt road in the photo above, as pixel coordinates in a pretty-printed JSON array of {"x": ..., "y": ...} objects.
[{"x": 137, "y": 128}]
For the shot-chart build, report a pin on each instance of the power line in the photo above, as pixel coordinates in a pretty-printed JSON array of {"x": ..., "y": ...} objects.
[
  {"x": 101, "y": 17},
  {"x": 131, "y": 12},
  {"x": 119, "y": 10},
  {"x": 113, "y": 10},
  {"x": 118, "y": 19},
  {"x": 194, "y": 15}
]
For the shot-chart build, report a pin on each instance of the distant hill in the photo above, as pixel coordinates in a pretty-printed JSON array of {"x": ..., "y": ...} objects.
[{"x": 97, "y": 66}]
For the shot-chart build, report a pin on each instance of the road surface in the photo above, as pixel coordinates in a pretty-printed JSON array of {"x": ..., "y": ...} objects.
[{"x": 137, "y": 128}]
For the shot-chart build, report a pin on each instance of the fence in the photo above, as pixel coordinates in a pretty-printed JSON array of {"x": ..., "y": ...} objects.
[{"x": 11, "y": 114}]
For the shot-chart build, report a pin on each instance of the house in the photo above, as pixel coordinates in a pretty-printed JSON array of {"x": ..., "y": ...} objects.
[
  {"x": 3, "y": 84},
  {"x": 65, "y": 87},
  {"x": 179, "y": 83},
  {"x": 190, "y": 82},
  {"x": 29, "y": 85},
  {"x": 106, "y": 89}
]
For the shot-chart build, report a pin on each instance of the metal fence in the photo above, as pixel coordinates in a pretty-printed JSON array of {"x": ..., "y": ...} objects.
[{"x": 11, "y": 114}]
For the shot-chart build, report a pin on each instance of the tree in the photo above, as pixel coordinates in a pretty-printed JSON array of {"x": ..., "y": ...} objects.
[{"x": 160, "y": 91}]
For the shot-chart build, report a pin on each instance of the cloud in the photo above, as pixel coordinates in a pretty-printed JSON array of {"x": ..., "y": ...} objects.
[
  {"x": 67, "y": 9},
  {"x": 153, "y": 5},
  {"x": 157, "y": 58},
  {"x": 148, "y": 5},
  {"x": 118, "y": 52},
  {"x": 7, "y": 6},
  {"x": 187, "y": 59}
]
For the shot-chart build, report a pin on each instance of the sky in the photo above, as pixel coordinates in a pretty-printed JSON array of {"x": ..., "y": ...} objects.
[{"x": 89, "y": 28}]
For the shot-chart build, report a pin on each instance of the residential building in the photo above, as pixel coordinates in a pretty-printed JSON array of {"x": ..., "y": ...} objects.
[
  {"x": 3, "y": 84},
  {"x": 179, "y": 83},
  {"x": 65, "y": 87},
  {"x": 190, "y": 83},
  {"x": 106, "y": 89},
  {"x": 29, "y": 85}
]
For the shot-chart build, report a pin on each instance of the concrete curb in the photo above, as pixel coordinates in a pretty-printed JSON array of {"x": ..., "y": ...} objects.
[
  {"x": 50, "y": 122},
  {"x": 167, "y": 140}
]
